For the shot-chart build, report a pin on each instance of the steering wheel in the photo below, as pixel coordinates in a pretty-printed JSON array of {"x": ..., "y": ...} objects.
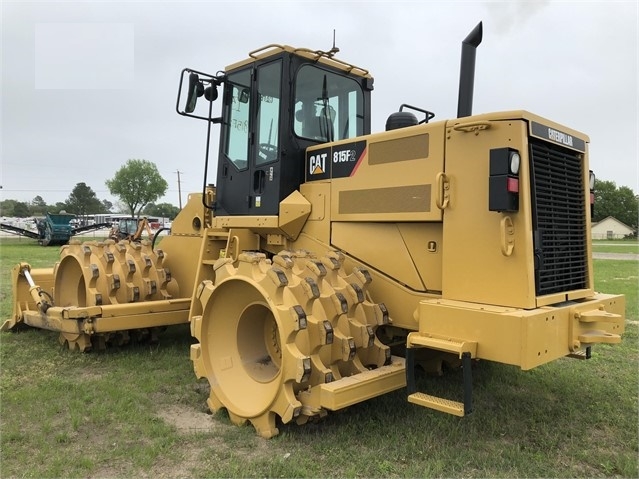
[{"x": 267, "y": 152}]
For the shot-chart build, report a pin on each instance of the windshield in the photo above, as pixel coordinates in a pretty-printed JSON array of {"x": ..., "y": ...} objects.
[{"x": 328, "y": 106}]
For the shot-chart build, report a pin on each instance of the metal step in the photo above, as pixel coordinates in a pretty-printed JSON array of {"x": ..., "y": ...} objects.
[
  {"x": 366, "y": 385},
  {"x": 581, "y": 354},
  {"x": 440, "y": 404},
  {"x": 450, "y": 345},
  {"x": 466, "y": 349}
]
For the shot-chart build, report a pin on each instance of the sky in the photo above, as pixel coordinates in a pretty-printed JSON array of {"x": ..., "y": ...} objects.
[{"x": 88, "y": 85}]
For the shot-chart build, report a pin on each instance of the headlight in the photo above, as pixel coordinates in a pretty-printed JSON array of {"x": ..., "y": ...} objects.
[
  {"x": 591, "y": 180},
  {"x": 515, "y": 160}
]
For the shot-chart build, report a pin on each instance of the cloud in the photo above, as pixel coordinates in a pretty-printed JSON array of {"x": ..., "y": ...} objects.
[
  {"x": 508, "y": 16},
  {"x": 77, "y": 56}
]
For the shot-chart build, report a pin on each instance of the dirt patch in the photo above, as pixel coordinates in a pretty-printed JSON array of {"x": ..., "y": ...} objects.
[{"x": 188, "y": 421}]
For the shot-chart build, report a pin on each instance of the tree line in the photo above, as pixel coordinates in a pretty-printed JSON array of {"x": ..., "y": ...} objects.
[
  {"x": 617, "y": 201},
  {"x": 137, "y": 184}
]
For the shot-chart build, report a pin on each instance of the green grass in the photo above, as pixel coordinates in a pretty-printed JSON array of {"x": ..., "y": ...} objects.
[
  {"x": 617, "y": 246},
  {"x": 619, "y": 277},
  {"x": 139, "y": 412}
]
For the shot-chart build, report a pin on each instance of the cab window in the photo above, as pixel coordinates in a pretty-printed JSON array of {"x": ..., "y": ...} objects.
[
  {"x": 328, "y": 106},
  {"x": 237, "y": 139},
  {"x": 269, "y": 78}
]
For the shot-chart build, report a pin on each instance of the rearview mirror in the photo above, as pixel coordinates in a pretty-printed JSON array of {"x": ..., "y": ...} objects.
[
  {"x": 196, "y": 89},
  {"x": 199, "y": 84}
]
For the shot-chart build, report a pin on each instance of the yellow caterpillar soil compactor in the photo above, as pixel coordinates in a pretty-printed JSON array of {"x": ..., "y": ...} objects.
[{"x": 328, "y": 261}]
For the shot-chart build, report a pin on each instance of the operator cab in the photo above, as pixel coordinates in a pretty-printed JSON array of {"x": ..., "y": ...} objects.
[{"x": 276, "y": 104}]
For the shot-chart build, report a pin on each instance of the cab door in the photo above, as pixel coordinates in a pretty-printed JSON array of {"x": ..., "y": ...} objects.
[
  {"x": 249, "y": 170},
  {"x": 234, "y": 176},
  {"x": 266, "y": 164}
]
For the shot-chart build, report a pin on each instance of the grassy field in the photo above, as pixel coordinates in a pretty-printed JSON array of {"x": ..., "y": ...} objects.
[
  {"x": 618, "y": 246},
  {"x": 138, "y": 411}
]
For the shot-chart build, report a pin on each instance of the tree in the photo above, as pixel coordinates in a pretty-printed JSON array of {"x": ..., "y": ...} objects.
[
  {"x": 137, "y": 184},
  {"x": 7, "y": 207},
  {"x": 163, "y": 210},
  {"x": 618, "y": 202},
  {"x": 107, "y": 205},
  {"x": 21, "y": 209},
  {"x": 38, "y": 201},
  {"x": 38, "y": 206},
  {"x": 83, "y": 201}
]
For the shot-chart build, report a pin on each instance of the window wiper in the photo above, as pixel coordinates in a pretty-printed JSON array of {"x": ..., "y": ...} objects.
[{"x": 326, "y": 120}]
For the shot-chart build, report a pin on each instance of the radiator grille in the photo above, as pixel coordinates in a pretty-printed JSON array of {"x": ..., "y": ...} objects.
[{"x": 559, "y": 218}]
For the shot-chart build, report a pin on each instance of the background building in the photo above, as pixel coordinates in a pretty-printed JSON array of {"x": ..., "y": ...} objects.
[{"x": 610, "y": 228}]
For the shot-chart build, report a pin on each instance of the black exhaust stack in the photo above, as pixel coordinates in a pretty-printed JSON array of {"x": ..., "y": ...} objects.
[{"x": 467, "y": 72}]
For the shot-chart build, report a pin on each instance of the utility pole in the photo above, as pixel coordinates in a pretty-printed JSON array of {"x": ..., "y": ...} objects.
[{"x": 179, "y": 188}]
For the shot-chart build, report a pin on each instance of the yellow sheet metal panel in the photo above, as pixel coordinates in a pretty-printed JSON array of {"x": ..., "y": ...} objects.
[
  {"x": 318, "y": 224},
  {"x": 394, "y": 179},
  {"x": 416, "y": 250},
  {"x": 479, "y": 270},
  {"x": 476, "y": 268},
  {"x": 366, "y": 241},
  {"x": 192, "y": 219},
  {"x": 425, "y": 245},
  {"x": 181, "y": 260},
  {"x": 294, "y": 210}
]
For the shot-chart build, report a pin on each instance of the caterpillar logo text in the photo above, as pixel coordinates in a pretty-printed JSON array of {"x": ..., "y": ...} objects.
[
  {"x": 317, "y": 164},
  {"x": 559, "y": 137}
]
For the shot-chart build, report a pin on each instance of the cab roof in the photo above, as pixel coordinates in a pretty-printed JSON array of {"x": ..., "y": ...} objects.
[{"x": 319, "y": 56}]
